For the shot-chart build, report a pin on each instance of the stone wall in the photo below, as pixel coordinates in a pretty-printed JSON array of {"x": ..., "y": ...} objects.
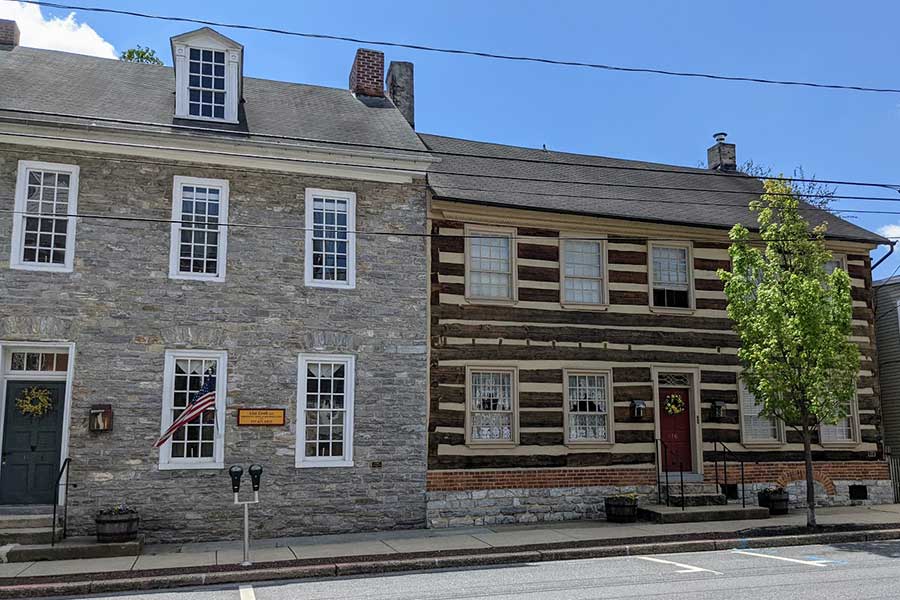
[{"x": 122, "y": 312}]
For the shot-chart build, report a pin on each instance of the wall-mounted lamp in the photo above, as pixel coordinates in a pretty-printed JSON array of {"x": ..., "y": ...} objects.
[
  {"x": 638, "y": 408},
  {"x": 718, "y": 409},
  {"x": 100, "y": 418}
]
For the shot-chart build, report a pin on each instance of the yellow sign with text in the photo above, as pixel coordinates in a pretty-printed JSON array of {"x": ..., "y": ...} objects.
[{"x": 260, "y": 416}]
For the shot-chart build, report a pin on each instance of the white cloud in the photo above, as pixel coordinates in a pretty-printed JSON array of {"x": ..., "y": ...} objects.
[
  {"x": 54, "y": 33},
  {"x": 890, "y": 231}
]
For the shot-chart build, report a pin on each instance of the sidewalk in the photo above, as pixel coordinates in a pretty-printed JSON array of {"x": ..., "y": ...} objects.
[{"x": 323, "y": 555}]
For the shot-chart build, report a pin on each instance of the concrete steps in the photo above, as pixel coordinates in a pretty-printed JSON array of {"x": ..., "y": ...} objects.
[
  {"x": 695, "y": 494},
  {"x": 73, "y": 547},
  {"x": 28, "y": 535},
  {"x": 695, "y": 514}
]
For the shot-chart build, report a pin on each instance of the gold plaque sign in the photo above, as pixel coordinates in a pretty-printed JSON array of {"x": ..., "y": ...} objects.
[{"x": 260, "y": 416}]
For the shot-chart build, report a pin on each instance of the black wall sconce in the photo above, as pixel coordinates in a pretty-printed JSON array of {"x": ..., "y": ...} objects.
[
  {"x": 718, "y": 410},
  {"x": 638, "y": 408}
]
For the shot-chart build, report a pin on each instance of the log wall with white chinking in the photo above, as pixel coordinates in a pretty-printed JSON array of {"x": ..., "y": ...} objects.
[{"x": 541, "y": 337}]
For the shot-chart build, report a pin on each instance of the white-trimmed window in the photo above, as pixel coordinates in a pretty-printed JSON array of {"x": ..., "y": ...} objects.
[
  {"x": 492, "y": 405},
  {"x": 844, "y": 432},
  {"x": 755, "y": 428},
  {"x": 838, "y": 261},
  {"x": 583, "y": 272},
  {"x": 671, "y": 275},
  {"x": 325, "y": 410},
  {"x": 207, "y": 76},
  {"x": 199, "y": 241},
  {"x": 490, "y": 264},
  {"x": 46, "y": 202},
  {"x": 588, "y": 407},
  {"x": 330, "y": 259},
  {"x": 200, "y": 443}
]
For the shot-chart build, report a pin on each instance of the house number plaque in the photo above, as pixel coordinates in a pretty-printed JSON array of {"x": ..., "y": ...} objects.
[{"x": 260, "y": 416}]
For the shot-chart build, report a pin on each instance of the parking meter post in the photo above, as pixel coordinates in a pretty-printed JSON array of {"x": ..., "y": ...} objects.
[
  {"x": 255, "y": 474},
  {"x": 246, "y": 562}
]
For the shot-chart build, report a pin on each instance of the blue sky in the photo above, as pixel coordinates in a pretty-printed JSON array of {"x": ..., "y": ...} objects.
[{"x": 834, "y": 135}]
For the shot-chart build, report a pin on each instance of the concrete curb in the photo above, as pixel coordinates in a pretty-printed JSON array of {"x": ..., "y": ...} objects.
[{"x": 176, "y": 578}]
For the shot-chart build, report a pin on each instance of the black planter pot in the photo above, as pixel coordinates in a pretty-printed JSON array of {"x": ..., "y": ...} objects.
[
  {"x": 117, "y": 528},
  {"x": 763, "y": 498},
  {"x": 621, "y": 510},
  {"x": 779, "y": 503}
]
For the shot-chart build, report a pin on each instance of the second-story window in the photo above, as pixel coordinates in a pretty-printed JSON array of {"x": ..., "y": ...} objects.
[
  {"x": 43, "y": 236},
  {"x": 330, "y": 259},
  {"x": 671, "y": 276},
  {"x": 199, "y": 241},
  {"x": 582, "y": 272},
  {"x": 490, "y": 264},
  {"x": 206, "y": 83}
]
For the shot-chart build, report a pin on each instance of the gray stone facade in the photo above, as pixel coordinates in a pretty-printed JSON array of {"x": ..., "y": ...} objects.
[{"x": 122, "y": 311}]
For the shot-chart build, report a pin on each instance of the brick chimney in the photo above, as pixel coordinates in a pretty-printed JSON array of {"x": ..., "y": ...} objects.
[
  {"x": 401, "y": 91},
  {"x": 367, "y": 74},
  {"x": 9, "y": 34},
  {"x": 721, "y": 156}
]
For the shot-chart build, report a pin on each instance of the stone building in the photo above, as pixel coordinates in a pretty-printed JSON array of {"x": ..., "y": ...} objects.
[{"x": 163, "y": 225}]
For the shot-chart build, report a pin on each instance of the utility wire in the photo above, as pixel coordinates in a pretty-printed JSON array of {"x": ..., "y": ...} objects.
[
  {"x": 474, "y": 175},
  {"x": 476, "y": 53},
  {"x": 650, "y": 169}
]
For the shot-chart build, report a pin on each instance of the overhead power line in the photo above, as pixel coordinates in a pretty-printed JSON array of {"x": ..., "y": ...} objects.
[
  {"x": 650, "y": 169},
  {"x": 475, "y": 189},
  {"x": 475, "y": 53}
]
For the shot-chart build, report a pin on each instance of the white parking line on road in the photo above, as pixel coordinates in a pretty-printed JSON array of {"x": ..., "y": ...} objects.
[
  {"x": 247, "y": 592},
  {"x": 814, "y": 563},
  {"x": 684, "y": 568}
]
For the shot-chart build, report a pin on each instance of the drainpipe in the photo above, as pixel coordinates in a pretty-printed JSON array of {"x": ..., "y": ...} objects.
[{"x": 885, "y": 257}]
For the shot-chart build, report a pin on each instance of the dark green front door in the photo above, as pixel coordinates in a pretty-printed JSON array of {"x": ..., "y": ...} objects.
[{"x": 31, "y": 446}]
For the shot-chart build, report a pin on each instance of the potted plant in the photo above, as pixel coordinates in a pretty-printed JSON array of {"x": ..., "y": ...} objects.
[
  {"x": 776, "y": 499},
  {"x": 117, "y": 524},
  {"x": 621, "y": 508}
]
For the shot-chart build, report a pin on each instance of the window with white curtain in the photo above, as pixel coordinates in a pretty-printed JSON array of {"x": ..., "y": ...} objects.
[
  {"x": 582, "y": 272},
  {"x": 588, "y": 407},
  {"x": 492, "y": 405},
  {"x": 755, "y": 427}
]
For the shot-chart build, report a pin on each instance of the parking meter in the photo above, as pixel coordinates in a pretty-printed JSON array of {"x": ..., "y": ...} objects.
[
  {"x": 255, "y": 474},
  {"x": 236, "y": 473}
]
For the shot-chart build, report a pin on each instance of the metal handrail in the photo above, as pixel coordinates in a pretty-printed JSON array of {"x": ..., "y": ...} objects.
[
  {"x": 737, "y": 459},
  {"x": 662, "y": 451},
  {"x": 64, "y": 469}
]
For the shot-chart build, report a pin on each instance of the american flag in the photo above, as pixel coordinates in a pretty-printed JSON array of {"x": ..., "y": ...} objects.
[{"x": 204, "y": 399}]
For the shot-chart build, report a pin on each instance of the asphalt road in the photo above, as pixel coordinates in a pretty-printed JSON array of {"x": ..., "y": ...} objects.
[{"x": 869, "y": 571}]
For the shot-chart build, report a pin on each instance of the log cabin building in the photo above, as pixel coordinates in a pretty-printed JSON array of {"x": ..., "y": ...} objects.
[{"x": 573, "y": 298}]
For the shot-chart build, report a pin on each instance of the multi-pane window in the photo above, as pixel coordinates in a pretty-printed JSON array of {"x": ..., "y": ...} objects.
[
  {"x": 36, "y": 361},
  {"x": 199, "y": 443},
  {"x": 325, "y": 411},
  {"x": 490, "y": 265},
  {"x": 837, "y": 262},
  {"x": 198, "y": 238},
  {"x": 840, "y": 432},
  {"x": 492, "y": 405},
  {"x": 671, "y": 276},
  {"x": 330, "y": 238},
  {"x": 756, "y": 428},
  {"x": 44, "y": 221},
  {"x": 582, "y": 272},
  {"x": 206, "y": 83},
  {"x": 587, "y": 408}
]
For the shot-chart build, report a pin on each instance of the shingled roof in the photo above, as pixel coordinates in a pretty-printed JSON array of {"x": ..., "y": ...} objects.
[
  {"x": 482, "y": 173},
  {"x": 62, "y": 82}
]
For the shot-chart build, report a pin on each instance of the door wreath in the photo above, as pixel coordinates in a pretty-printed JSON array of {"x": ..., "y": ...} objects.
[
  {"x": 34, "y": 402},
  {"x": 674, "y": 405}
]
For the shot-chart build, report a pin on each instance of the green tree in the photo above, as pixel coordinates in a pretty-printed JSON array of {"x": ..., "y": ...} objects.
[
  {"x": 139, "y": 54},
  {"x": 793, "y": 319}
]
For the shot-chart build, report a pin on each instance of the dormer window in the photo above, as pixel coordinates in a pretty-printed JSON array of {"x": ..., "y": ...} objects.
[{"x": 207, "y": 76}]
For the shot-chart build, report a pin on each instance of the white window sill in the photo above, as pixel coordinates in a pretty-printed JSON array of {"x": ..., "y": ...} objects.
[
  {"x": 328, "y": 284},
  {"x": 41, "y": 267},
  {"x": 672, "y": 310},
  {"x": 207, "y": 119},
  {"x": 495, "y": 301},
  {"x": 486, "y": 445},
  {"x": 598, "y": 445},
  {"x": 194, "y": 277},
  {"x": 319, "y": 464},
  {"x": 576, "y": 306},
  {"x": 190, "y": 466},
  {"x": 762, "y": 444}
]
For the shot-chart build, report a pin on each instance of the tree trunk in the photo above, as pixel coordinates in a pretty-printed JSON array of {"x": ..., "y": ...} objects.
[{"x": 810, "y": 482}]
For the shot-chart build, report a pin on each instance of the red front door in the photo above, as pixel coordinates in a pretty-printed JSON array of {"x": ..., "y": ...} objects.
[{"x": 675, "y": 432}]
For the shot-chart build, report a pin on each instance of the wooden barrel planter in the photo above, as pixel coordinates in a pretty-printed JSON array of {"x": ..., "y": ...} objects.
[
  {"x": 117, "y": 527},
  {"x": 776, "y": 500},
  {"x": 621, "y": 509}
]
